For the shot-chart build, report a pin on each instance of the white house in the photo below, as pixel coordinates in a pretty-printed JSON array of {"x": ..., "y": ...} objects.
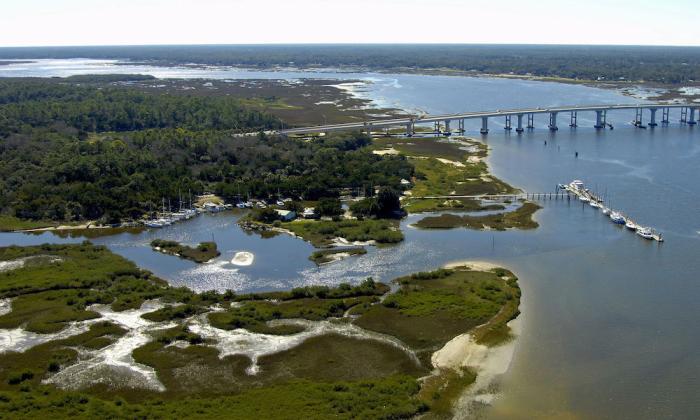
[{"x": 286, "y": 215}]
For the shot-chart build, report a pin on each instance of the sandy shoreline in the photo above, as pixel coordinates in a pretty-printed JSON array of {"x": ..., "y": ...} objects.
[{"x": 489, "y": 363}]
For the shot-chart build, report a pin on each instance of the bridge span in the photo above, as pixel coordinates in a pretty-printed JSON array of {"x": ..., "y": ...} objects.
[{"x": 687, "y": 116}]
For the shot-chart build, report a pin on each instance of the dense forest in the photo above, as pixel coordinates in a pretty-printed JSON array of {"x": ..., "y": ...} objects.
[
  {"x": 84, "y": 153},
  {"x": 658, "y": 64}
]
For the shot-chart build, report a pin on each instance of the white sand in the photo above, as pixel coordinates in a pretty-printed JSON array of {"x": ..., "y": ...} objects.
[
  {"x": 390, "y": 151},
  {"x": 474, "y": 265},
  {"x": 114, "y": 365},
  {"x": 243, "y": 259},
  {"x": 344, "y": 242},
  {"x": 451, "y": 162},
  {"x": 5, "y": 306}
]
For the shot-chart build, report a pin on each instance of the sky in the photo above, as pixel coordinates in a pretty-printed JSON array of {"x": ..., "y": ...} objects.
[{"x": 139, "y": 22}]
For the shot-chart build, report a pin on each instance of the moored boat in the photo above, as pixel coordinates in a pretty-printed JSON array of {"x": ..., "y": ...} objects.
[
  {"x": 629, "y": 224},
  {"x": 645, "y": 232},
  {"x": 617, "y": 218}
]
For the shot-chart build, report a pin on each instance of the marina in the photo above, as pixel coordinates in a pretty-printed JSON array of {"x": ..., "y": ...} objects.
[{"x": 578, "y": 189}]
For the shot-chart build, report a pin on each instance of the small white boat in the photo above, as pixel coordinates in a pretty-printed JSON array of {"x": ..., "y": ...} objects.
[
  {"x": 629, "y": 224},
  {"x": 585, "y": 199},
  {"x": 645, "y": 232},
  {"x": 595, "y": 205},
  {"x": 241, "y": 205},
  {"x": 577, "y": 185},
  {"x": 606, "y": 211},
  {"x": 153, "y": 223},
  {"x": 617, "y": 218}
]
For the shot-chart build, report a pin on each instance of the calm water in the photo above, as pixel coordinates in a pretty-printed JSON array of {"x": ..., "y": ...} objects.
[{"x": 609, "y": 320}]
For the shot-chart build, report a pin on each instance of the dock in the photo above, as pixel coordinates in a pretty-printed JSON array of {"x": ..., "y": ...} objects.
[{"x": 577, "y": 189}]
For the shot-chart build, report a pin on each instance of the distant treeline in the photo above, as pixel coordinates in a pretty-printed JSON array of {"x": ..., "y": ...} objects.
[
  {"x": 71, "y": 153},
  {"x": 38, "y": 103},
  {"x": 659, "y": 64}
]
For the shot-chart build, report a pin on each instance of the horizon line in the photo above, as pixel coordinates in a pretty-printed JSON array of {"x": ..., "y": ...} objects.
[{"x": 291, "y": 44}]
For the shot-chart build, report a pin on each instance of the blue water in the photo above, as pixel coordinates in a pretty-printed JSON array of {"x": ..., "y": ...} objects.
[{"x": 609, "y": 321}]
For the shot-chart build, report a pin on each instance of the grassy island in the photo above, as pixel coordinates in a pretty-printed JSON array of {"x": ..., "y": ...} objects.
[
  {"x": 520, "y": 218},
  {"x": 323, "y": 232},
  {"x": 202, "y": 253},
  {"x": 346, "y": 367}
]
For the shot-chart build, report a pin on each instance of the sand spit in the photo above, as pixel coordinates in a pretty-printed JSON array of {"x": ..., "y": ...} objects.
[
  {"x": 473, "y": 265},
  {"x": 490, "y": 364}
]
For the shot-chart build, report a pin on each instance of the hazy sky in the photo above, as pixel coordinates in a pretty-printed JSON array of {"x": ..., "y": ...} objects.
[{"x": 100, "y": 22}]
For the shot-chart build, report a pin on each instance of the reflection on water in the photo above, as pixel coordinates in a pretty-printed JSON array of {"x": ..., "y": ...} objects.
[{"x": 608, "y": 319}]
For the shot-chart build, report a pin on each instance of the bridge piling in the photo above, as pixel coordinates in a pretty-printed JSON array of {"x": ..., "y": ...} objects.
[
  {"x": 652, "y": 117},
  {"x": 692, "y": 121},
  {"x": 520, "y": 124},
  {"x": 530, "y": 121},
  {"x": 484, "y": 125},
  {"x": 553, "y": 121},
  {"x": 664, "y": 115},
  {"x": 508, "y": 125},
  {"x": 684, "y": 115},
  {"x": 599, "y": 119},
  {"x": 574, "y": 119},
  {"x": 639, "y": 117}
]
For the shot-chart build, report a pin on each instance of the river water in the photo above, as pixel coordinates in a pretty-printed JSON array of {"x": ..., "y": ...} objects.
[{"x": 609, "y": 321}]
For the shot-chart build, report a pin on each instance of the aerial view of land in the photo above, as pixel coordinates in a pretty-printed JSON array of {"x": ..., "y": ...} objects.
[{"x": 231, "y": 211}]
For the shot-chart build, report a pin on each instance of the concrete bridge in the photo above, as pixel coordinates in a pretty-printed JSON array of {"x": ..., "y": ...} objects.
[{"x": 687, "y": 116}]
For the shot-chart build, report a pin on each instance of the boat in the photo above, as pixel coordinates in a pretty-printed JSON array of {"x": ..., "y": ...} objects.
[
  {"x": 645, "y": 232},
  {"x": 584, "y": 198},
  {"x": 154, "y": 223},
  {"x": 241, "y": 205},
  {"x": 617, "y": 218},
  {"x": 595, "y": 204},
  {"x": 577, "y": 185},
  {"x": 629, "y": 224},
  {"x": 606, "y": 211}
]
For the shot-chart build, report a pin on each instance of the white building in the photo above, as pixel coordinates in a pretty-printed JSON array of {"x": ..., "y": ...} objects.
[{"x": 286, "y": 215}]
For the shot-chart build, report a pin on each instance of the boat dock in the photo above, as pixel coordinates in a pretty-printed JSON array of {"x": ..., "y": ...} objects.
[{"x": 578, "y": 190}]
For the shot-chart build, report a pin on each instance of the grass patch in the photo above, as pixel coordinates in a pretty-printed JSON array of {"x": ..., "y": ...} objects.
[
  {"x": 429, "y": 309},
  {"x": 520, "y": 219},
  {"x": 11, "y": 224},
  {"x": 461, "y": 204},
  {"x": 39, "y": 362},
  {"x": 390, "y": 397},
  {"x": 441, "y": 391},
  {"x": 327, "y": 255},
  {"x": 322, "y": 232},
  {"x": 202, "y": 253},
  {"x": 254, "y": 315}
]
